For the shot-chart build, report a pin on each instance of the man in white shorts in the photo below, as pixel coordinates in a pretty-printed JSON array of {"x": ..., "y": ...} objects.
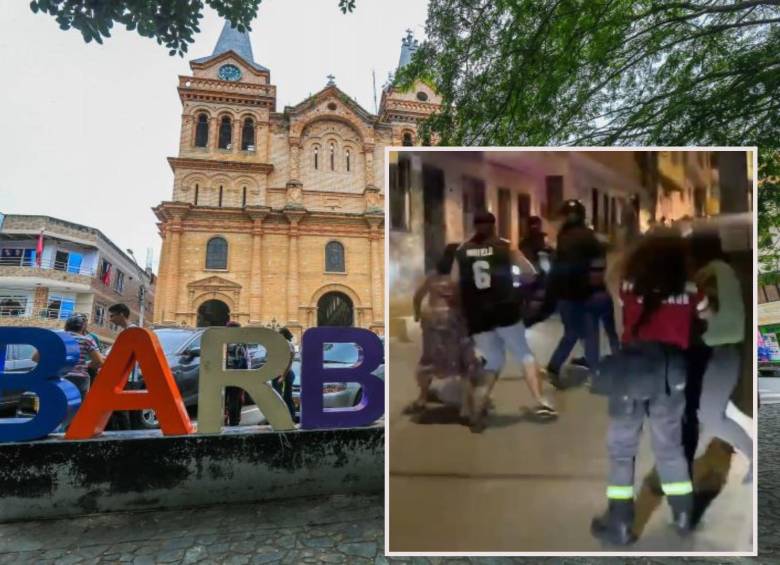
[{"x": 491, "y": 275}]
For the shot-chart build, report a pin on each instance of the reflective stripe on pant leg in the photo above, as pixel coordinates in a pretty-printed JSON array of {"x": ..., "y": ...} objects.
[
  {"x": 677, "y": 489},
  {"x": 666, "y": 412},
  {"x": 615, "y": 492}
]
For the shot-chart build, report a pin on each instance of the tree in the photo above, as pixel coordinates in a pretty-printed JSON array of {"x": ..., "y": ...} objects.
[
  {"x": 602, "y": 72},
  {"x": 769, "y": 216},
  {"x": 171, "y": 22}
]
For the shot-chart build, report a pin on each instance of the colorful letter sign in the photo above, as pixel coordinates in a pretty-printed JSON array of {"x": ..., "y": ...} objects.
[
  {"x": 314, "y": 375},
  {"x": 59, "y": 399},
  {"x": 108, "y": 394},
  {"x": 214, "y": 377}
]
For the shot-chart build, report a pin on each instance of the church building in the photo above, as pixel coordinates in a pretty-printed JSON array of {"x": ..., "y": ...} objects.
[{"x": 277, "y": 218}]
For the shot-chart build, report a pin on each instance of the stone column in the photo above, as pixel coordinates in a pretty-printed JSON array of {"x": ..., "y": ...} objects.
[
  {"x": 186, "y": 140},
  {"x": 162, "y": 278},
  {"x": 295, "y": 160},
  {"x": 377, "y": 276},
  {"x": 213, "y": 133},
  {"x": 255, "y": 286},
  {"x": 368, "y": 158},
  {"x": 293, "y": 266},
  {"x": 172, "y": 284},
  {"x": 236, "y": 141}
]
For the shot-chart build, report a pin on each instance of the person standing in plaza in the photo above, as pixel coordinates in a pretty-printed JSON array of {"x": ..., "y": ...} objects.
[
  {"x": 119, "y": 315},
  {"x": 283, "y": 384},
  {"x": 237, "y": 358},
  {"x": 89, "y": 356},
  {"x": 491, "y": 276}
]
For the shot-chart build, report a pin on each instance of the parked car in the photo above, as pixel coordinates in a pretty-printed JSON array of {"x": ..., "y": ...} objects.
[
  {"x": 335, "y": 395},
  {"x": 181, "y": 347},
  {"x": 18, "y": 359}
]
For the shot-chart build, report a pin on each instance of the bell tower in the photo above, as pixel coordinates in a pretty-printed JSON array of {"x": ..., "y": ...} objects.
[{"x": 405, "y": 109}]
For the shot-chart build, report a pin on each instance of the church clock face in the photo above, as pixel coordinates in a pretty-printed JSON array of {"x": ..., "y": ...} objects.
[{"x": 229, "y": 72}]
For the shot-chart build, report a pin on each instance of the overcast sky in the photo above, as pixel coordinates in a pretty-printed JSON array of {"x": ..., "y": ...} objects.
[{"x": 86, "y": 129}]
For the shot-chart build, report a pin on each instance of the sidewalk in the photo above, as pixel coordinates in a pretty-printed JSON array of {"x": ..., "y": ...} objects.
[{"x": 523, "y": 485}]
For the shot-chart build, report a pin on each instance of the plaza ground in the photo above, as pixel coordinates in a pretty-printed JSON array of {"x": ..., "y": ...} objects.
[{"x": 523, "y": 485}]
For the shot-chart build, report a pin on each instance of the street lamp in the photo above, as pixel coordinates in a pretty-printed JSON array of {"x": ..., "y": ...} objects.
[{"x": 141, "y": 291}]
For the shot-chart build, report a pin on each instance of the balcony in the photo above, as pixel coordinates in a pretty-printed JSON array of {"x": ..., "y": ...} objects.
[
  {"x": 18, "y": 316},
  {"x": 48, "y": 272}
]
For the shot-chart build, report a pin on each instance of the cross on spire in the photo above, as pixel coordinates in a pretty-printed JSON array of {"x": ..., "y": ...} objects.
[{"x": 331, "y": 79}]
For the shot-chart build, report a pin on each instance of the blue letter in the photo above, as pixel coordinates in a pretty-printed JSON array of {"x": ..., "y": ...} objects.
[
  {"x": 314, "y": 375},
  {"x": 58, "y": 352}
]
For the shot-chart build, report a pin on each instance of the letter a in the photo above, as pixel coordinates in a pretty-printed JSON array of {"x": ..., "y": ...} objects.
[{"x": 107, "y": 393}]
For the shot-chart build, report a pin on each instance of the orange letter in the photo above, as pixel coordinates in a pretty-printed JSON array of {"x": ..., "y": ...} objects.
[{"x": 107, "y": 393}]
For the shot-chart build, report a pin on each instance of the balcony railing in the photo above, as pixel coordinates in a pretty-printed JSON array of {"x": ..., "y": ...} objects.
[{"x": 47, "y": 265}]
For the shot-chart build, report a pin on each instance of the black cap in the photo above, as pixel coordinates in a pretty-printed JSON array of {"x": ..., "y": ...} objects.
[{"x": 484, "y": 217}]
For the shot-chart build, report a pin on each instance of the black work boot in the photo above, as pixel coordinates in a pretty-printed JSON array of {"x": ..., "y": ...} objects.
[
  {"x": 554, "y": 377},
  {"x": 615, "y": 526},
  {"x": 682, "y": 513}
]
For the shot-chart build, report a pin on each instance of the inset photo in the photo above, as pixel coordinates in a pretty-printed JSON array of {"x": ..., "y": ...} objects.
[{"x": 571, "y": 351}]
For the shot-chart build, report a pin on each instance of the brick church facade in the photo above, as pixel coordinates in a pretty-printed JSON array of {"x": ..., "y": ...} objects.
[{"x": 277, "y": 218}]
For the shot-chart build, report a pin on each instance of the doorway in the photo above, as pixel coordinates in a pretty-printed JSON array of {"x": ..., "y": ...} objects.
[
  {"x": 335, "y": 309},
  {"x": 434, "y": 229},
  {"x": 213, "y": 313}
]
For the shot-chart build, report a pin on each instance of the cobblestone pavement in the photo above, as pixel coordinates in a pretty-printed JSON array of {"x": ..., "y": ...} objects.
[{"x": 338, "y": 529}]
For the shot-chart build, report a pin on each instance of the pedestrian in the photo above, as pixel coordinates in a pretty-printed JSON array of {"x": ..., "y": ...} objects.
[
  {"x": 724, "y": 334},
  {"x": 491, "y": 276},
  {"x": 119, "y": 315},
  {"x": 237, "y": 358},
  {"x": 646, "y": 379},
  {"x": 577, "y": 283},
  {"x": 448, "y": 350},
  {"x": 89, "y": 356},
  {"x": 283, "y": 384},
  {"x": 534, "y": 245}
]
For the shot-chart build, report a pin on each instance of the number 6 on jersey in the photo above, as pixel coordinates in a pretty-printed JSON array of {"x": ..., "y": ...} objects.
[{"x": 481, "y": 274}]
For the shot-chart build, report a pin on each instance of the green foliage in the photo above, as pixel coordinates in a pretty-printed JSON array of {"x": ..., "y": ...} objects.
[
  {"x": 603, "y": 72},
  {"x": 173, "y": 23},
  {"x": 769, "y": 215}
]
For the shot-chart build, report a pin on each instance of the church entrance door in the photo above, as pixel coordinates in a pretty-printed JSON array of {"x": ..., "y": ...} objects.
[{"x": 213, "y": 313}]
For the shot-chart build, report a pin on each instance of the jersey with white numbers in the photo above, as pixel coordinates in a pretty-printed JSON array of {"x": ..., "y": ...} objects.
[{"x": 488, "y": 285}]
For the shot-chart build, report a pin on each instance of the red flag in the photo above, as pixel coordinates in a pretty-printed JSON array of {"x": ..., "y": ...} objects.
[
  {"x": 39, "y": 249},
  {"x": 107, "y": 274}
]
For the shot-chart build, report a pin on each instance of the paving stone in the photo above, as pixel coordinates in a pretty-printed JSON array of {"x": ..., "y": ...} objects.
[
  {"x": 268, "y": 557},
  {"x": 195, "y": 554},
  {"x": 364, "y": 549},
  {"x": 318, "y": 542}
]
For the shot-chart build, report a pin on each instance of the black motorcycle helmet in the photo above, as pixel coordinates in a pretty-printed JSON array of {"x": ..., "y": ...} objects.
[{"x": 573, "y": 213}]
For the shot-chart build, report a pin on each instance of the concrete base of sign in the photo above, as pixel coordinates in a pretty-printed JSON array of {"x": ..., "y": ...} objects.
[{"x": 144, "y": 470}]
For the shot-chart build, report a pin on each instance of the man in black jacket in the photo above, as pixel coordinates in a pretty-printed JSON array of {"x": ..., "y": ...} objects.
[{"x": 577, "y": 283}]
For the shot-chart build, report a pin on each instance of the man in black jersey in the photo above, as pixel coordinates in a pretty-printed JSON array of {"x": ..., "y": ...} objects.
[{"x": 491, "y": 276}]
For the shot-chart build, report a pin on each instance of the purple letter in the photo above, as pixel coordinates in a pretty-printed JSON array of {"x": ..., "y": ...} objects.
[{"x": 319, "y": 367}]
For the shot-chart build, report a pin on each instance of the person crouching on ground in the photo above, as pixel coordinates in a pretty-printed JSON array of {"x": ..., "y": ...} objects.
[
  {"x": 448, "y": 351},
  {"x": 647, "y": 380}
]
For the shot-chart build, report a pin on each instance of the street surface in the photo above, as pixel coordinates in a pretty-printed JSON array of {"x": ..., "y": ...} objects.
[{"x": 523, "y": 485}]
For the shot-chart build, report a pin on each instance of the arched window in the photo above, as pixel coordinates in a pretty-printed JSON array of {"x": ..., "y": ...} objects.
[
  {"x": 348, "y": 161},
  {"x": 220, "y": 196},
  {"x": 334, "y": 257},
  {"x": 202, "y": 131},
  {"x": 225, "y": 133},
  {"x": 243, "y": 197},
  {"x": 316, "y": 157},
  {"x": 197, "y": 188},
  {"x": 332, "y": 157},
  {"x": 216, "y": 253},
  {"x": 248, "y": 135},
  {"x": 408, "y": 142}
]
